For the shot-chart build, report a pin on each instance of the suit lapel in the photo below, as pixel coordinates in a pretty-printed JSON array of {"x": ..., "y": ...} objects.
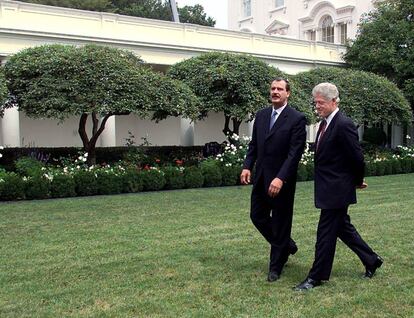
[
  {"x": 328, "y": 132},
  {"x": 280, "y": 121}
]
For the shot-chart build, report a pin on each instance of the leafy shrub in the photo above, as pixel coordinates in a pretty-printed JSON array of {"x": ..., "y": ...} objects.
[
  {"x": 211, "y": 173},
  {"x": 27, "y": 166},
  {"x": 310, "y": 169},
  {"x": 395, "y": 166},
  {"x": 302, "y": 173},
  {"x": 193, "y": 177},
  {"x": 154, "y": 180},
  {"x": 370, "y": 169},
  {"x": 85, "y": 183},
  {"x": 132, "y": 181},
  {"x": 380, "y": 168},
  {"x": 174, "y": 178},
  {"x": 388, "y": 167},
  {"x": 37, "y": 187},
  {"x": 11, "y": 187},
  {"x": 62, "y": 185},
  {"x": 230, "y": 175},
  {"x": 108, "y": 182},
  {"x": 406, "y": 165}
]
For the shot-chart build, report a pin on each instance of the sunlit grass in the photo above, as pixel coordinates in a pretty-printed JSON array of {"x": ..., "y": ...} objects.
[{"x": 194, "y": 253}]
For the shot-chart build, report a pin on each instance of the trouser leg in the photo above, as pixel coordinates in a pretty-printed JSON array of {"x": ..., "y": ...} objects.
[
  {"x": 350, "y": 236},
  {"x": 330, "y": 223}
]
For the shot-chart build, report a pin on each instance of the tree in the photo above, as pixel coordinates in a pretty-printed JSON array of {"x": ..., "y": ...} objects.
[
  {"x": 237, "y": 85},
  {"x": 195, "y": 15},
  {"x": 94, "y": 5},
  {"x": 365, "y": 97},
  {"x": 92, "y": 82},
  {"x": 385, "y": 44},
  {"x": 3, "y": 91},
  {"x": 152, "y": 9}
]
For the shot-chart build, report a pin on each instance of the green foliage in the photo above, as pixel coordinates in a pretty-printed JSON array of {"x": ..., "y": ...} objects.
[
  {"x": 235, "y": 84},
  {"x": 152, "y": 9},
  {"x": 211, "y": 173},
  {"x": 85, "y": 183},
  {"x": 59, "y": 81},
  {"x": 384, "y": 44},
  {"x": 230, "y": 175},
  {"x": 11, "y": 187},
  {"x": 359, "y": 94},
  {"x": 28, "y": 166},
  {"x": 62, "y": 185},
  {"x": 132, "y": 181},
  {"x": 396, "y": 166},
  {"x": 95, "y": 5},
  {"x": 193, "y": 177},
  {"x": 108, "y": 182},
  {"x": 174, "y": 177},
  {"x": 37, "y": 187},
  {"x": 195, "y": 15},
  {"x": 154, "y": 179},
  {"x": 3, "y": 91},
  {"x": 302, "y": 173}
]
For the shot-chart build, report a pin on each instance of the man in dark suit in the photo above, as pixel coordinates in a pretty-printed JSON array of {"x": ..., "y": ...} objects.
[
  {"x": 278, "y": 141},
  {"x": 339, "y": 170}
]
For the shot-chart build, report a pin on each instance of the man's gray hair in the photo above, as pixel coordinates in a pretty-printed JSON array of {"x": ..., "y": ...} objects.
[{"x": 328, "y": 90}]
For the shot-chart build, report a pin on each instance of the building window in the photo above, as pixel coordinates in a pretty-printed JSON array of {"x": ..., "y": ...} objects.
[
  {"x": 344, "y": 33},
  {"x": 247, "y": 8},
  {"x": 327, "y": 29},
  {"x": 311, "y": 35},
  {"x": 279, "y": 3}
]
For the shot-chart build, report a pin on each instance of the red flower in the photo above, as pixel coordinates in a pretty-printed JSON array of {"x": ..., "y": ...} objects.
[
  {"x": 157, "y": 160},
  {"x": 147, "y": 167},
  {"x": 179, "y": 162}
]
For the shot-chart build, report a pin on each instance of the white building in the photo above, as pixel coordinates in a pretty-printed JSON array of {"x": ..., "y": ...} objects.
[{"x": 332, "y": 21}]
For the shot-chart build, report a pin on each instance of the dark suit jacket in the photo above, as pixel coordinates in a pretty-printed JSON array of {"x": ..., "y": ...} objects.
[
  {"x": 277, "y": 152},
  {"x": 339, "y": 165}
]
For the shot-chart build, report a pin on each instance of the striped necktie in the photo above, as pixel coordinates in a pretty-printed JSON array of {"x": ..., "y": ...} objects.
[{"x": 321, "y": 132}]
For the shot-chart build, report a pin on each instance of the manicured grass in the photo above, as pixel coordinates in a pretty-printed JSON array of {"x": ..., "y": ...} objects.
[{"x": 195, "y": 253}]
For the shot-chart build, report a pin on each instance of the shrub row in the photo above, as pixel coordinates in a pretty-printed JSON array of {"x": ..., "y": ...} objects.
[
  {"x": 84, "y": 182},
  {"x": 209, "y": 174}
]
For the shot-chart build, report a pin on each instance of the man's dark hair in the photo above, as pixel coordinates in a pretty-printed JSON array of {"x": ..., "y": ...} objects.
[{"x": 279, "y": 79}]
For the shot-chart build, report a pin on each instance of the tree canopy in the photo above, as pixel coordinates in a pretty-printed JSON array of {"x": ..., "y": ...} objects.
[
  {"x": 3, "y": 90},
  {"x": 237, "y": 85},
  {"x": 96, "y": 82},
  {"x": 152, "y": 9},
  {"x": 385, "y": 44},
  {"x": 365, "y": 97}
]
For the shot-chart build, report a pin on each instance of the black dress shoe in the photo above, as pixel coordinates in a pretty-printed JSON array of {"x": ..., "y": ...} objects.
[
  {"x": 307, "y": 284},
  {"x": 293, "y": 250},
  {"x": 370, "y": 271},
  {"x": 273, "y": 276}
]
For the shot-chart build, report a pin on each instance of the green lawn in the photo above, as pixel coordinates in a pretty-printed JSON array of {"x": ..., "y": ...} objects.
[{"x": 195, "y": 253}]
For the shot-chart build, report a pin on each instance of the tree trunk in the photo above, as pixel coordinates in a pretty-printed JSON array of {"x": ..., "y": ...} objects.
[{"x": 89, "y": 145}]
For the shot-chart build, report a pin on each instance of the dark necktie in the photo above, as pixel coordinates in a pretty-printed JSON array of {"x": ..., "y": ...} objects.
[
  {"x": 321, "y": 132},
  {"x": 272, "y": 119}
]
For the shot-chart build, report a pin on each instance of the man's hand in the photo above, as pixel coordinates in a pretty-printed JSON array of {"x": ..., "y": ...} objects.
[
  {"x": 245, "y": 176},
  {"x": 363, "y": 185},
  {"x": 275, "y": 187}
]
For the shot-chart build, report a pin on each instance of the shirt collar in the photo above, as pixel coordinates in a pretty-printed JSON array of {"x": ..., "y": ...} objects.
[
  {"x": 330, "y": 117},
  {"x": 279, "y": 110}
]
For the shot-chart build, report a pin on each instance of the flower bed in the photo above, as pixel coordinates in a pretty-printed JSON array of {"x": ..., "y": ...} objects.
[{"x": 33, "y": 179}]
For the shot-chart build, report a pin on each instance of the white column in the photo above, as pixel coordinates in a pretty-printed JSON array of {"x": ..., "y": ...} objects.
[
  {"x": 250, "y": 128},
  {"x": 186, "y": 132},
  {"x": 10, "y": 127},
  {"x": 396, "y": 135},
  {"x": 361, "y": 132},
  {"x": 108, "y": 136}
]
